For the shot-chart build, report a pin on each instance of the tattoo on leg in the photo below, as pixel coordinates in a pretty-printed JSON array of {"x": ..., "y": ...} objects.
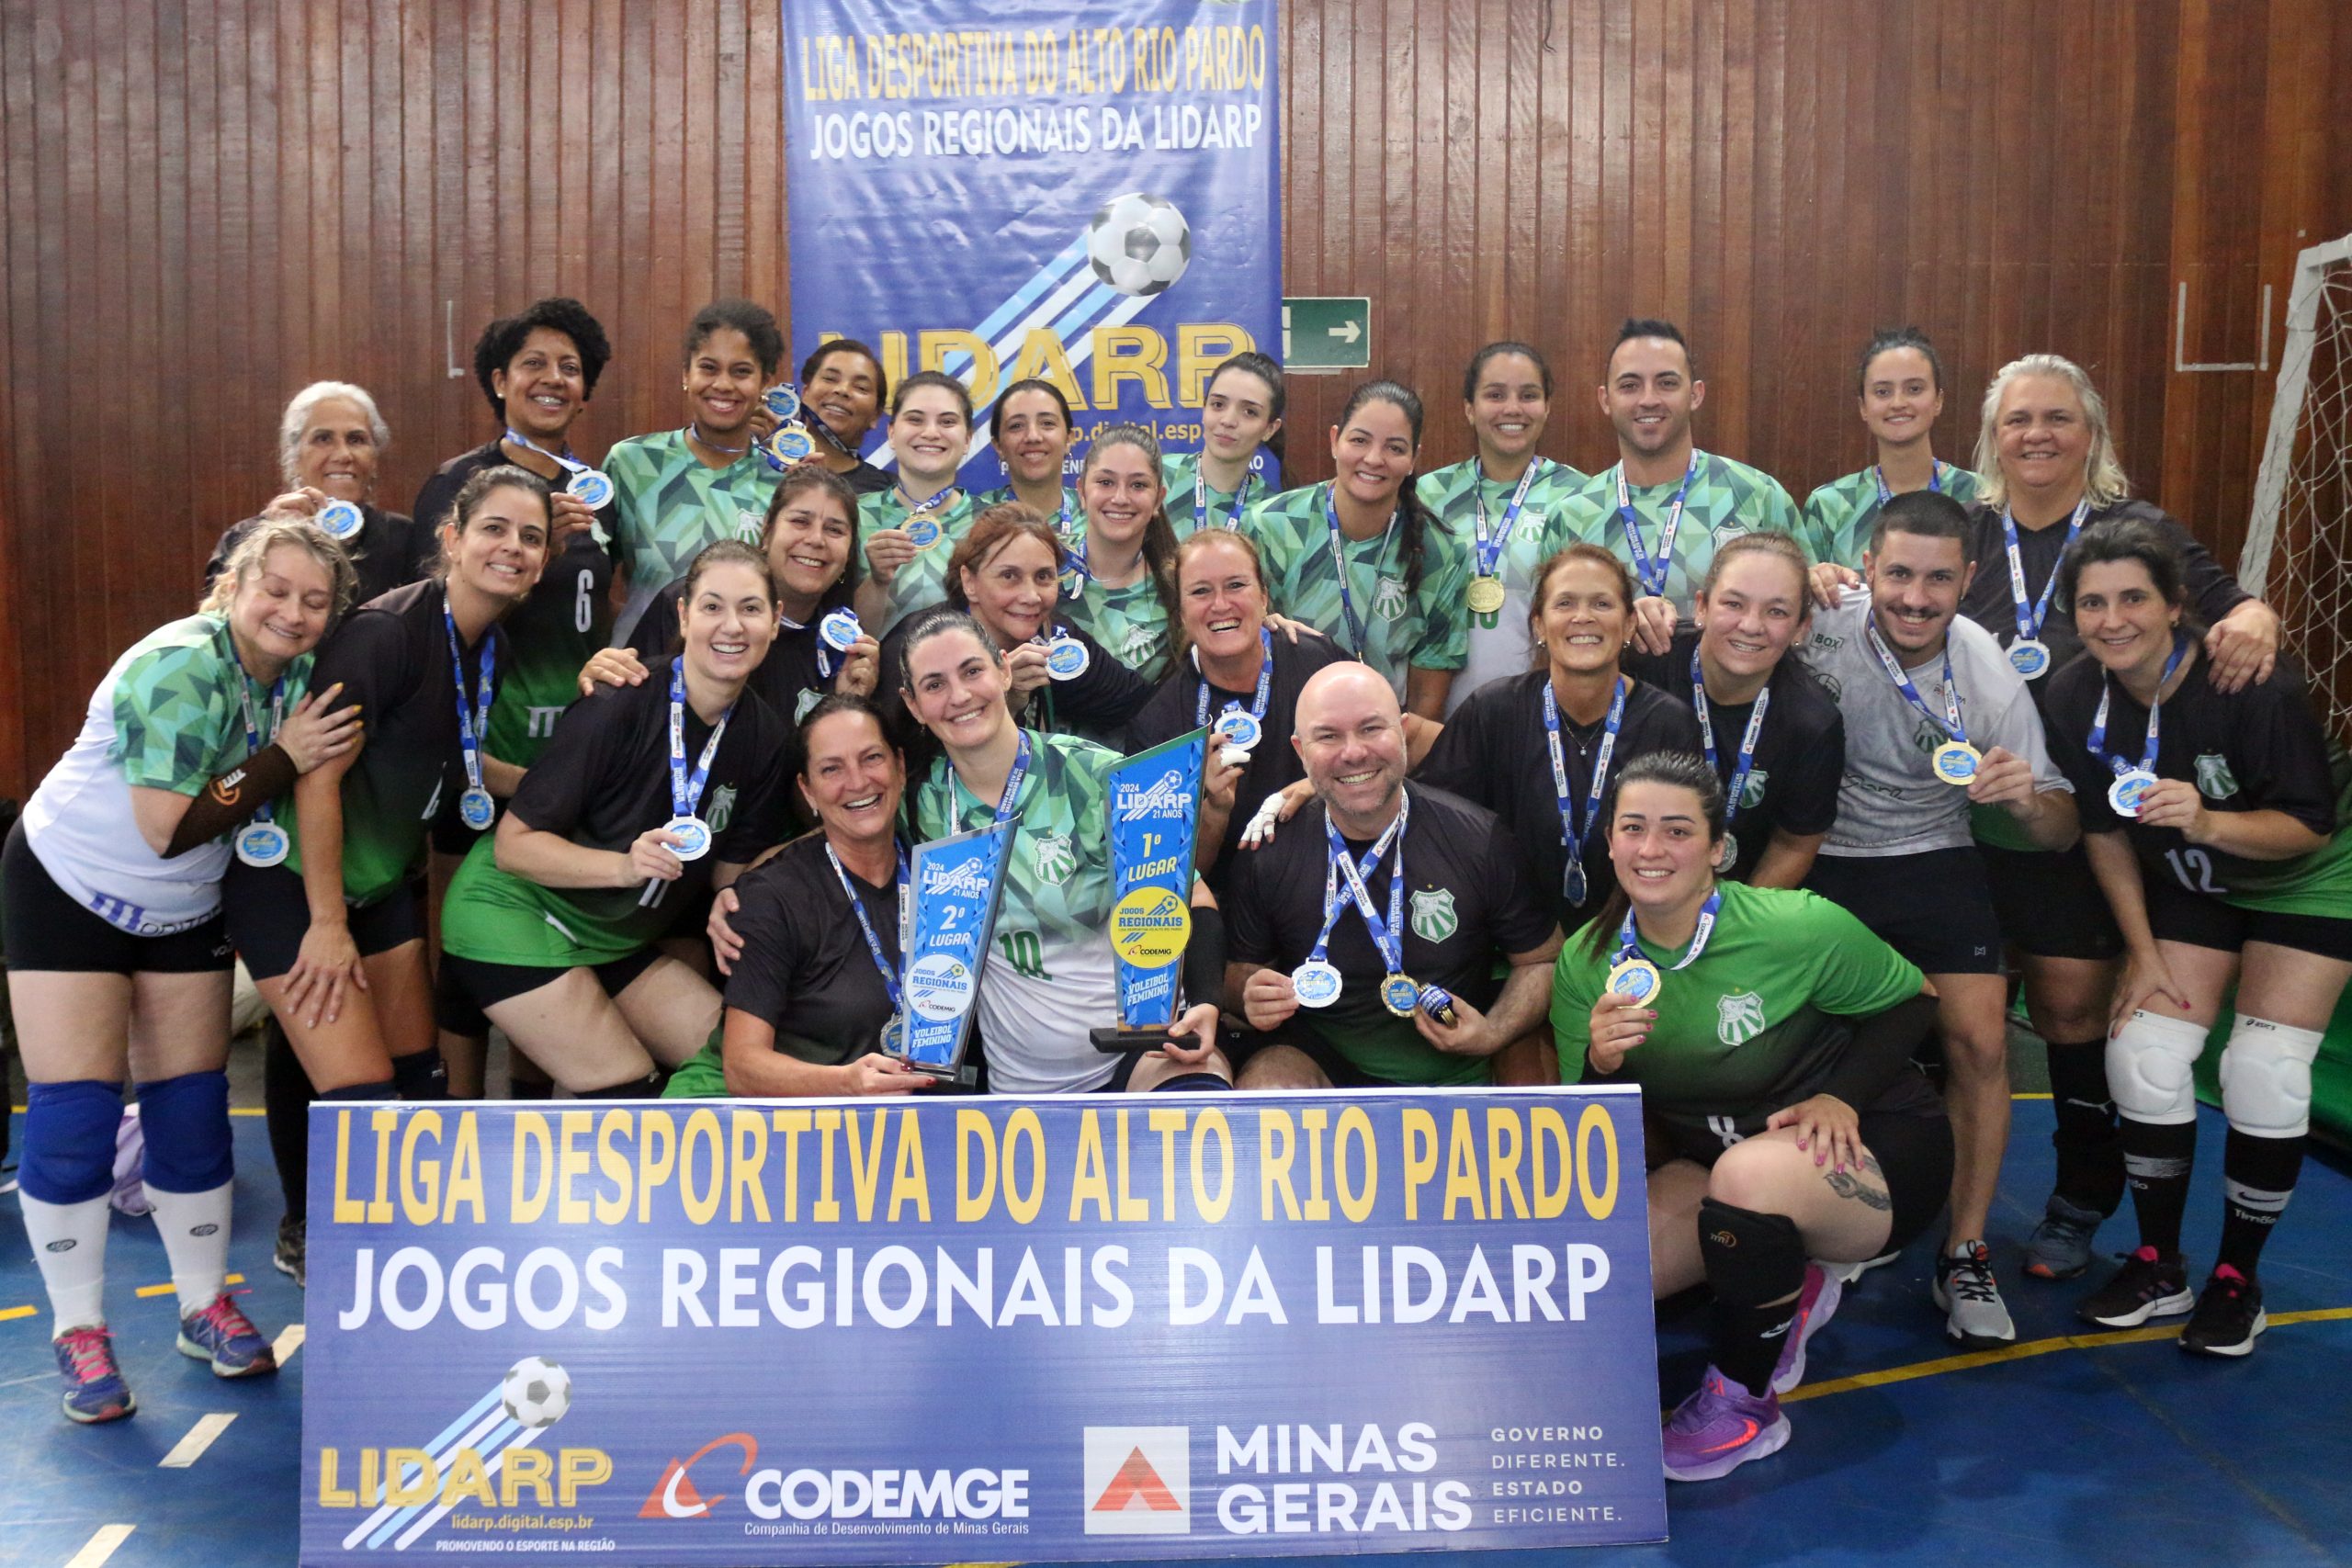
[{"x": 1846, "y": 1184}]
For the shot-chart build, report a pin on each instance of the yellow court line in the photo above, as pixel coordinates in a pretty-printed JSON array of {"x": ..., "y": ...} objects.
[
  {"x": 2017, "y": 1096},
  {"x": 233, "y": 1110},
  {"x": 289, "y": 1339},
  {"x": 191, "y": 1449},
  {"x": 9, "y": 1313},
  {"x": 146, "y": 1290},
  {"x": 2030, "y": 1348},
  {"x": 100, "y": 1547}
]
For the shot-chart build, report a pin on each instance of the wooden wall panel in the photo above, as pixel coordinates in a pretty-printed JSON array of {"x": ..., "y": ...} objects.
[{"x": 208, "y": 203}]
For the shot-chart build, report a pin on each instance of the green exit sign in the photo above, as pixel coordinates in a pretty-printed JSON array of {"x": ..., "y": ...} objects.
[{"x": 1320, "y": 334}]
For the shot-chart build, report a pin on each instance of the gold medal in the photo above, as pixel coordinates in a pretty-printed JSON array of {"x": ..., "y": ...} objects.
[{"x": 1486, "y": 594}]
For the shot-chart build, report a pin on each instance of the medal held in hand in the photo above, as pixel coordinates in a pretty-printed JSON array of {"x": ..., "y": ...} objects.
[
  {"x": 1154, "y": 802},
  {"x": 790, "y": 442}
]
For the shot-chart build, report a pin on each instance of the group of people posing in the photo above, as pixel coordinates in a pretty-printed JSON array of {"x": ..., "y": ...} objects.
[{"x": 1513, "y": 774}]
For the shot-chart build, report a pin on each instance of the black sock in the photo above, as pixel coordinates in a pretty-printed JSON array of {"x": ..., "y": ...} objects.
[
  {"x": 2257, "y": 1178},
  {"x": 1749, "y": 1341},
  {"x": 2090, "y": 1158},
  {"x": 286, "y": 1096},
  {"x": 635, "y": 1088},
  {"x": 421, "y": 1074},
  {"x": 2156, "y": 1162}
]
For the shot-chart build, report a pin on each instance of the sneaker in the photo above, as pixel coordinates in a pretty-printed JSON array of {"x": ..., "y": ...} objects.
[
  {"x": 291, "y": 1256},
  {"x": 1816, "y": 1305},
  {"x": 94, "y": 1387},
  {"x": 1973, "y": 1312},
  {"x": 220, "y": 1334},
  {"x": 1720, "y": 1428},
  {"x": 2228, "y": 1316},
  {"x": 1847, "y": 1273},
  {"x": 2060, "y": 1247},
  {"x": 2146, "y": 1286}
]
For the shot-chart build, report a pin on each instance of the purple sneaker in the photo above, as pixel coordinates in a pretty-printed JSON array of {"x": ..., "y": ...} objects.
[
  {"x": 220, "y": 1334},
  {"x": 94, "y": 1387},
  {"x": 1720, "y": 1428},
  {"x": 1816, "y": 1306}
]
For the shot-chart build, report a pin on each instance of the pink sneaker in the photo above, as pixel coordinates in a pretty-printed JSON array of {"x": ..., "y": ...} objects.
[
  {"x": 1720, "y": 1428},
  {"x": 1816, "y": 1305}
]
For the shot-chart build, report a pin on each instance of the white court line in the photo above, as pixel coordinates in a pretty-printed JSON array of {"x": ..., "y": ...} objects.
[
  {"x": 191, "y": 1449},
  {"x": 289, "y": 1340},
  {"x": 100, "y": 1547}
]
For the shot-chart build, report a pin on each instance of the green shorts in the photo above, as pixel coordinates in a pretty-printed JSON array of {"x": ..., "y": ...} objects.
[
  {"x": 702, "y": 1076},
  {"x": 495, "y": 917}
]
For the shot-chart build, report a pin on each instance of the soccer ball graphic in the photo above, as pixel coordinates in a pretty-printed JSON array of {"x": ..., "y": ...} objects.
[
  {"x": 537, "y": 1392},
  {"x": 1139, "y": 244}
]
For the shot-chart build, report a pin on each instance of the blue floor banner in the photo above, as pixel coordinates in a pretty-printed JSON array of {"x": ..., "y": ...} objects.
[
  {"x": 1007, "y": 189},
  {"x": 1059, "y": 1329}
]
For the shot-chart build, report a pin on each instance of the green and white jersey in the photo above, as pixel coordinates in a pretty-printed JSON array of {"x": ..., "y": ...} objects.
[
  {"x": 1499, "y": 643},
  {"x": 1130, "y": 623},
  {"x": 1069, "y": 520},
  {"x": 922, "y": 582},
  {"x": 1179, "y": 469},
  {"x": 1425, "y": 627},
  {"x": 673, "y": 506},
  {"x": 1839, "y": 516},
  {"x": 166, "y": 716},
  {"x": 1049, "y": 978},
  {"x": 1726, "y": 499},
  {"x": 1739, "y": 1032}
]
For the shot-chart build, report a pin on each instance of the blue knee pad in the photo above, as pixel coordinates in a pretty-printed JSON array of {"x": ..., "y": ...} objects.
[
  {"x": 187, "y": 1118},
  {"x": 68, "y": 1140}
]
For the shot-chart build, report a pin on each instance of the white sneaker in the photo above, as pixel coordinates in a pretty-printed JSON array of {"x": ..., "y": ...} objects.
[{"x": 1974, "y": 1312}]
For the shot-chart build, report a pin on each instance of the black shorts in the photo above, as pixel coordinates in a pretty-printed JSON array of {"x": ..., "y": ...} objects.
[
  {"x": 2198, "y": 920},
  {"x": 1343, "y": 1073},
  {"x": 1934, "y": 908},
  {"x": 270, "y": 913},
  {"x": 2049, "y": 903},
  {"x": 1914, "y": 1154},
  {"x": 45, "y": 929},
  {"x": 1192, "y": 1080},
  {"x": 485, "y": 985}
]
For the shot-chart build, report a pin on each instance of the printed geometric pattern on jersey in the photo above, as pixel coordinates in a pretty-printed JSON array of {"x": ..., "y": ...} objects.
[
  {"x": 1738, "y": 1033},
  {"x": 922, "y": 582},
  {"x": 1499, "y": 643},
  {"x": 1072, "y": 514},
  {"x": 672, "y": 506},
  {"x": 1177, "y": 470},
  {"x": 1426, "y": 629},
  {"x": 1129, "y": 622},
  {"x": 1726, "y": 499},
  {"x": 1840, "y": 515}
]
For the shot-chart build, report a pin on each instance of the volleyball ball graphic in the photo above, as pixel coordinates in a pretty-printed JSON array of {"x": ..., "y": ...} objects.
[
  {"x": 1139, "y": 244},
  {"x": 536, "y": 1392}
]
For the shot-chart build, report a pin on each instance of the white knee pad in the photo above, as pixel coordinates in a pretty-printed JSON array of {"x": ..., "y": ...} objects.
[
  {"x": 2266, "y": 1078},
  {"x": 2150, "y": 1068}
]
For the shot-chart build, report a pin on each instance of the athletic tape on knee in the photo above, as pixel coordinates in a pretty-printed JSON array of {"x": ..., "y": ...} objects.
[
  {"x": 189, "y": 1143},
  {"x": 2151, "y": 1069},
  {"x": 1751, "y": 1258},
  {"x": 68, "y": 1140},
  {"x": 2266, "y": 1078}
]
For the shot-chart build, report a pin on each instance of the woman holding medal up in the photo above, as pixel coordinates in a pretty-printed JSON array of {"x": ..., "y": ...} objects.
[
  {"x": 1506, "y": 501},
  {"x": 1050, "y": 977},
  {"x": 1241, "y": 411},
  {"x": 1121, "y": 586},
  {"x": 1032, "y": 433},
  {"x": 651, "y": 796},
  {"x": 911, "y": 531},
  {"x": 1900, "y": 391},
  {"x": 1771, "y": 1035},
  {"x": 2221, "y": 831},
  {"x": 118, "y": 956}
]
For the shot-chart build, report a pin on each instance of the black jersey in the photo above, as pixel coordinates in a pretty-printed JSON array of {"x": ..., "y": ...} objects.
[
  {"x": 392, "y": 657},
  {"x": 797, "y": 673},
  {"x": 566, "y": 617},
  {"x": 390, "y": 551},
  {"x": 865, "y": 479},
  {"x": 1094, "y": 705},
  {"x": 1468, "y": 901},
  {"x": 1991, "y": 604},
  {"x": 1174, "y": 709},
  {"x": 2259, "y": 749},
  {"x": 1800, "y": 755},
  {"x": 1493, "y": 751},
  {"x": 806, "y": 970}
]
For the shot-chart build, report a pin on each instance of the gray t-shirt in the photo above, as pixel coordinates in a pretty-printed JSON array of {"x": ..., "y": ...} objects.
[{"x": 1890, "y": 801}]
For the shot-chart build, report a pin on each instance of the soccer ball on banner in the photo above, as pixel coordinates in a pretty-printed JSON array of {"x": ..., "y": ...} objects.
[
  {"x": 537, "y": 1392},
  {"x": 1139, "y": 243}
]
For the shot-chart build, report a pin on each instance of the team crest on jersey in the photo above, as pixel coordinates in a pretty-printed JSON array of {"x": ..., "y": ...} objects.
[
  {"x": 1831, "y": 684},
  {"x": 1433, "y": 917},
  {"x": 722, "y": 809},
  {"x": 809, "y": 697},
  {"x": 1389, "y": 599},
  {"x": 1739, "y": 1018},
  {"x": 1751, "y": 794},
  {"x": 1055, "y": 859},
  {"x": 2214, "y": 780},
  {"x": 1724, "y": 533},
  {"x": 1135, "y": 647},
  {"x": 748, "y": 525}
]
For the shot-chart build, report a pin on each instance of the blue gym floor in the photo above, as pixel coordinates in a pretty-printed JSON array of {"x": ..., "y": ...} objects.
[{"x": 2112, "y": 1449}]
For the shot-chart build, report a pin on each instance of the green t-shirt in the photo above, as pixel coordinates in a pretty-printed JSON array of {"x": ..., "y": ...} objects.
[
  {"x": 1726, "y": 499},
  {"x": 177, "y": 722},
  {"x": 922, "y": 582},
  {"x": 1178, "y": 470},
  {"x": 1071, "y": 517},
  {"x": 1130, "y": 622},
  {"x": 672, "y": 506},
  {"x": 1839, "y": 516},
  {"x": 1738, "y": 1033},
  {"x": 1499, "y": 643},
  {"x": 1425, "y": 627}
]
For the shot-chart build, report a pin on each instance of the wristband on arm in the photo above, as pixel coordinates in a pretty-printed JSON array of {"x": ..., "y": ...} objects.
[{"x": 1204, "y": 956}]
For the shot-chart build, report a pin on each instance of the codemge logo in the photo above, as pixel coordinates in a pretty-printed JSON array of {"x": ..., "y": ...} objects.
[{"x": 1138, "y": 1481}]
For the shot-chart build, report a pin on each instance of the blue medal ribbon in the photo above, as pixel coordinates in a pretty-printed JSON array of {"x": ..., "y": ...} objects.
[
  {"x": 564, "y": 460},
  {"x": 1011, "y": 781},
  {"x": 471, "y": 724},
  {"x": 2029, "y": 619},
  {"x": 874, "y": 943},
  {"x": 255, "y": 740},
  {"x": 1949, "y": 723},
  {"x": 685, "y": 792},
  {"x": 1654, "y": 582},
  {"x": 1265, "y": 680},
  {"x": 917, "y": 508},
  {"x": 1339, "y": 863},
  {"x": 2097, "y": 744},
  {"x": 1628, "y": 938},
  {"x": 1340, "y": 563},
  {"x": 1934, "y": 480},
  {"x": 1201, "y": 499},
  {"x": 1490, "y": 551},
  {"x": 824, "y": 654},
  {"x": 1739, "y": 781},
  {"x": 1577, "y": 818},
  {"x": 693, "y": 430}
]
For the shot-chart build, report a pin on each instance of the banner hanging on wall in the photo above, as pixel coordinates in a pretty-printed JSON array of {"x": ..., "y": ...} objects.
[
  {"x": 1007, "y": 189},
  {"x": 941, "y": 1331}
]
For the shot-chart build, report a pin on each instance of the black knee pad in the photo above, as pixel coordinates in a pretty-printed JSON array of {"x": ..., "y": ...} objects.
[{"x": 1751, "y": 1258}]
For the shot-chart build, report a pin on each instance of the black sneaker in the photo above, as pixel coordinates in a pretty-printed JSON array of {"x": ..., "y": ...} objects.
[
  {"x": 292, "y": 1256},
  {"x": 2228, "y": 1316},
  {"x": 2146, "y": 1286}
]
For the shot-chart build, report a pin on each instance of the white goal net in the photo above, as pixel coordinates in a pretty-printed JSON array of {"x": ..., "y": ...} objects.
[{"x": 2299, "y": 543}]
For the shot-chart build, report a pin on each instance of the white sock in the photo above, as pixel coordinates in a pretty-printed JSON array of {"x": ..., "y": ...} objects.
[
  {"x": 69, "y": 1243},
  {"x": 195, "y": 1238}
]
